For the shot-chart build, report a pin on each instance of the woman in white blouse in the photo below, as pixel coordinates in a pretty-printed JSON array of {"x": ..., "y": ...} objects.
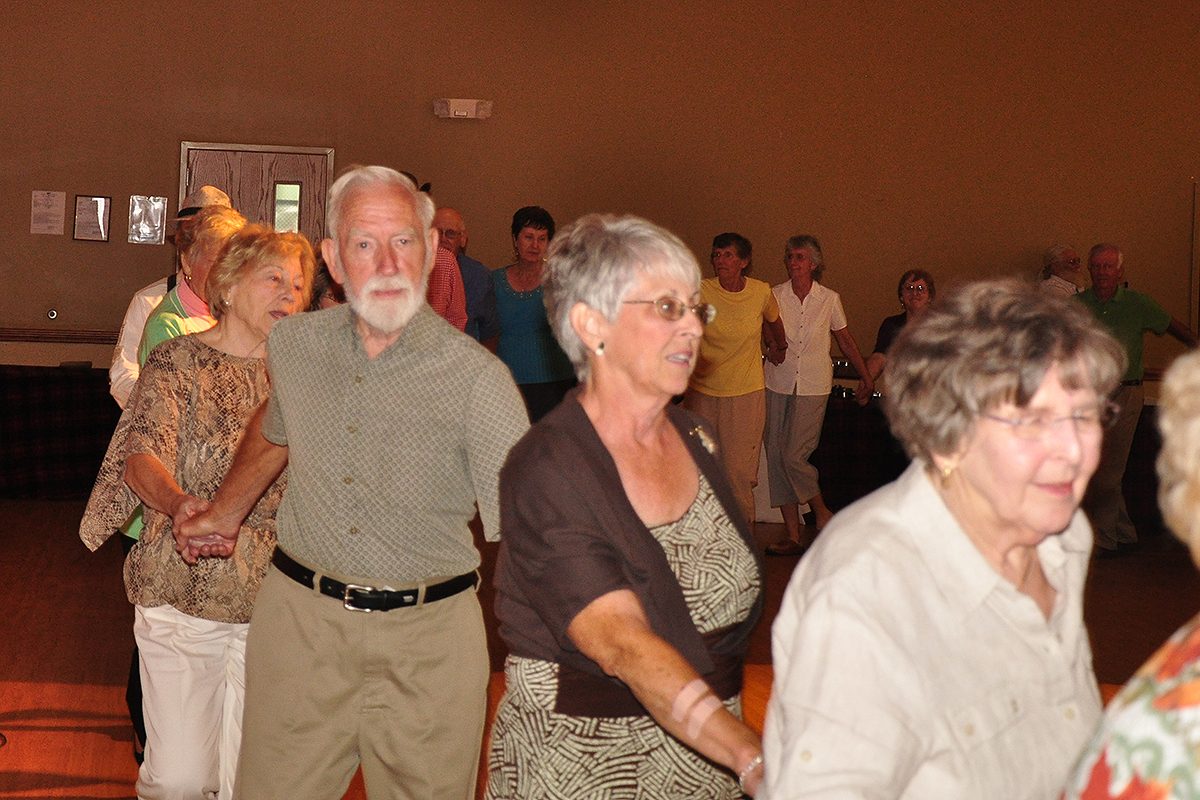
[{"x": 931, "y": 644}]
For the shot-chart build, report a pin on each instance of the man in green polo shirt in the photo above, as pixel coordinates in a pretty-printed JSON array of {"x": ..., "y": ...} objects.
[{"x": 1127, "y": 315}]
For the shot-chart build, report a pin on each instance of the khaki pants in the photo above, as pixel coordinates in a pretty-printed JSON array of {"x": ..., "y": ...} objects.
[
  {"x": 792, "y": 434},
  {"x": 1105, "y": 500},
  {"x": 403, "y": 692},
  {"x": 739, "y": 422}
]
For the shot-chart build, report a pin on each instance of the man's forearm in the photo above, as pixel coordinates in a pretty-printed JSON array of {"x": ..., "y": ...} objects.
[
  {"x": 256, "y": 465},
  {"x": 1183, "y": 333}
]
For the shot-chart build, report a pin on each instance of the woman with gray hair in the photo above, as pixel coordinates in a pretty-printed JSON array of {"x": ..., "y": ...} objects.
[
  {"x": 628, "y": 580},
  {"x": 1146, "y": 745},
  {"x": 931, "y": 643},
  {"x": 1060, "y": 269}
]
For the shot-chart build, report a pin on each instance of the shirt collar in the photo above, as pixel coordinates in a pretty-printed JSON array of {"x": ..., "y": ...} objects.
[
  {"x": 417, "y": 335},
  {"x": 1116, "y": 296},
  {"x": 192, "y": 304},
  {"x": 961, "y": 573}
]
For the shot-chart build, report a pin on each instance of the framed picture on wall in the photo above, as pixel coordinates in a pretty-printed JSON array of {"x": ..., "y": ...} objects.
[
  {"x": 91, "y": 218},
  {"x": 147, "y": 219}
]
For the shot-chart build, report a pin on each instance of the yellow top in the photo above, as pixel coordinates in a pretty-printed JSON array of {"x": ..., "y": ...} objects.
[{"x": 730, "y": 362}]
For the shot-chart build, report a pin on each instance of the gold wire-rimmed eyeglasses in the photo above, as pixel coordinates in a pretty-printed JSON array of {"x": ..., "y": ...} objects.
[{"x": 672, "y": 309}]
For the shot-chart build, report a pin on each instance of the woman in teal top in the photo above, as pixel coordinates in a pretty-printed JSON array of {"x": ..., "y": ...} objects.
[{"x": 540, "y": 368}]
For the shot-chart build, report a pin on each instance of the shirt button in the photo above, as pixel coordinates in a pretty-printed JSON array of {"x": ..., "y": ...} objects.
[
  {"x": 1069, "y": 713},
  {"x": 354, "y": 530},
  {"x": 347, "y": 480},
  {"x": 351, "y": 429},
  {"x": 969, "y": 729},
  {"x": 358, "y": 378},
  {"x": 806, "y": 756}
]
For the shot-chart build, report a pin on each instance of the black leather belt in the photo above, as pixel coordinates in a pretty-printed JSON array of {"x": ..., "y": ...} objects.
[
  {"x": 366, "y": 598},
  {"x": 1138, "y": 382}
]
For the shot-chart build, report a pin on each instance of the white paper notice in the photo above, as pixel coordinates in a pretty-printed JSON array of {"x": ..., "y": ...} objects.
[{"x": 48, "y": 213}]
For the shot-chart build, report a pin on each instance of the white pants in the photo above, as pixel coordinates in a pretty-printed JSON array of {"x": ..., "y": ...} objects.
[{"x": 193, "y": 686}]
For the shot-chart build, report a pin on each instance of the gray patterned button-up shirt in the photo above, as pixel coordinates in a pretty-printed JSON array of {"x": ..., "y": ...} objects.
[{"x": 388, "y": 456}]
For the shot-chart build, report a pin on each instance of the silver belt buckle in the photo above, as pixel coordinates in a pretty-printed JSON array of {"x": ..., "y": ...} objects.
[{"x": 350, "y": 587}]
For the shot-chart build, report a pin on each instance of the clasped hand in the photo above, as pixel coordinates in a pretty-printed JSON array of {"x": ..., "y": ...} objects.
[{"x": 197, "y": 534}]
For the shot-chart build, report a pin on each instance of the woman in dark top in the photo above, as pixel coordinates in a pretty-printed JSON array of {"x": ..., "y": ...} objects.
[
  {"x": 540, "y": 368},
  {"x": 628, "y": 582},
  {"x": 916, "y": 291}
]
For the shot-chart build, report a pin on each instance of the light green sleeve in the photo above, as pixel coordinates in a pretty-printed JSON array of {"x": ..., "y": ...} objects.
[{"x": 159, "y": 328}]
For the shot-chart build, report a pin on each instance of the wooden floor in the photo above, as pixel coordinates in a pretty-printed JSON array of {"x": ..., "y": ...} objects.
[{"x": 67, "y": 639}]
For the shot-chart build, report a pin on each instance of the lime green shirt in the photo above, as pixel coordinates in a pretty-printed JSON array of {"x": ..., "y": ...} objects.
[
  {"x": 1128, "y": 315},
  {"x": 167, "y": 321}
]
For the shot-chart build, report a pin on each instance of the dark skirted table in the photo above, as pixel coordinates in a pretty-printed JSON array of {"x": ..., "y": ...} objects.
[{"x": 55, "y": 425}]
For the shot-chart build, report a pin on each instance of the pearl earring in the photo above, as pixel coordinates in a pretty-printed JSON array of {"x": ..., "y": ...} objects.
[{"x": 600, "y": 349}]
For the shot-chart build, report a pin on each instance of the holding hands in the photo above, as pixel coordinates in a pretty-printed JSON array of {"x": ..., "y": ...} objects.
[{"x": 198, "y": 533}]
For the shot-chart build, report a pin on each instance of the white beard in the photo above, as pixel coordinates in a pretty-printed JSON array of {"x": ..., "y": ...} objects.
[{"x": 384, "y": 315}]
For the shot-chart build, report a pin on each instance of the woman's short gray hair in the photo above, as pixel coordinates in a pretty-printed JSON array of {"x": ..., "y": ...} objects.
[
  {"x": 596, "y": 260},
  {"x": 810, "y": 245},
  {"x": 1179, "y": 459},
  {"x": 985, "y": 344}
]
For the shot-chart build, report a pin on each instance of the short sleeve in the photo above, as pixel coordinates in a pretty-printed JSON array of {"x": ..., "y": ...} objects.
[
  {"x": 1157, "y": 318},
  {"x": 157, "y": 407},
  {"x": 489, "y": 319},
  {"x": 496, "y": 420},
  {"x": 125, "y": 364},
  {"x": 882, "y": 340},
  {"x": 272, "y": 425},
  {"x": 149, "y": 425},
  {"x": 771, "y": 307},
  {"x": 440, "y": 287},
  {"x": 273, "y": 429},
  {"x": 837, "y": 314}
]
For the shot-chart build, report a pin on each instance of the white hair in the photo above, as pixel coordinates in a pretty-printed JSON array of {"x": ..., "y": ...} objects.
[
  {"x": 596, "y": 261},
  {"x": 359, "y": 177}
]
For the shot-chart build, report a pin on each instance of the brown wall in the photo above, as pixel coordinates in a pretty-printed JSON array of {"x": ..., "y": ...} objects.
[{"x": 956, "y": 136}]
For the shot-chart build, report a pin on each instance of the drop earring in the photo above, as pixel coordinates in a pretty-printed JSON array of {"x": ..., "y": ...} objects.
[{"x": 946, "y": 473}]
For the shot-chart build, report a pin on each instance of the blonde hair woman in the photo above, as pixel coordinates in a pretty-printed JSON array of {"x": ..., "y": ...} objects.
[{"x": 171, "y": 449}]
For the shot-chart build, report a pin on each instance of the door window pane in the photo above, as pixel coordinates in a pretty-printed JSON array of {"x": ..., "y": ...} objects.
[{"x": 287, "y": 207}]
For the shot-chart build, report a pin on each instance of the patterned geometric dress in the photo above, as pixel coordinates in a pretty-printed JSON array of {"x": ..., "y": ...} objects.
[{"x": 538, "y": 753}]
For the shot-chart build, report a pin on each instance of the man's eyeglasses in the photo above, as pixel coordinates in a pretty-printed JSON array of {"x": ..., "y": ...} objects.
[
  {"x": 1039, "y": 427},
  {"x": 919, "y": 288},
  {"x": 449, "y": 233},
  {"x": 672, "y": 309}
]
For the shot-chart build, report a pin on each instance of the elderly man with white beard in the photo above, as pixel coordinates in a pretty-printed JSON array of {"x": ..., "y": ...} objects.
[{"x": 394, "y": 428}]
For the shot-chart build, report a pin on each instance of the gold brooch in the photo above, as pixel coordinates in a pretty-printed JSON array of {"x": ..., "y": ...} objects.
[{"x": 705, "y": 439}]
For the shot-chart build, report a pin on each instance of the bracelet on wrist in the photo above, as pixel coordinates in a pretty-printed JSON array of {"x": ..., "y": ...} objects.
[{"x": 748, "y": 770}]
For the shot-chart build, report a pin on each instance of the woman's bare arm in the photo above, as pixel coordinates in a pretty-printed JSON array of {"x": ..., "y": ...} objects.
[{"x": 613, "y": 631}]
